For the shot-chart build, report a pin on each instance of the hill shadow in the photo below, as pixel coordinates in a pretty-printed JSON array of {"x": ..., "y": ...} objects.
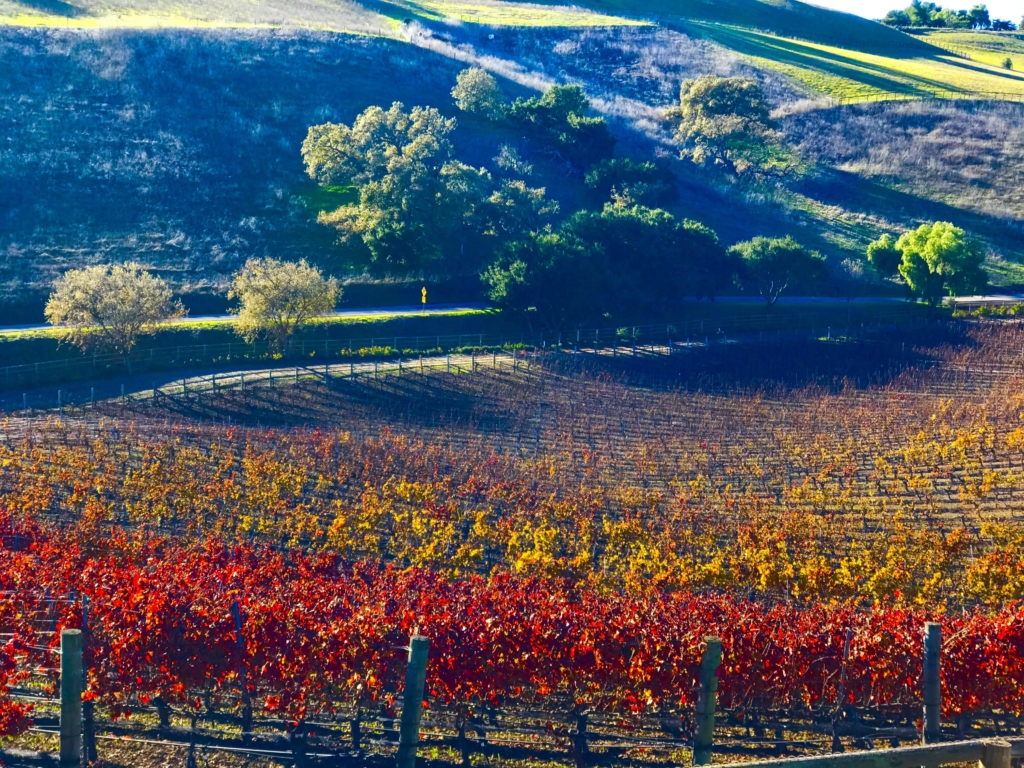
[
  {"x": 53, "y": 7},
  {"x": 782, "y": 17},
  {"x": 436, "y": 401},
  {"x": 796, "y": 54},
  {"x": 874, "y": 359},
  {"x": 858, "y": 194},
  {"x": 984, "y": 70}
]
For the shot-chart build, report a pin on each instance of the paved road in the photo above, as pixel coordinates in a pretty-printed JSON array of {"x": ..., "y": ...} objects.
[
  {"x": 443, "y": 309},
  {"x": 995, "y": 298},
  {"x": 791, "y": 300},
  {"x": 417, "y": 309}
]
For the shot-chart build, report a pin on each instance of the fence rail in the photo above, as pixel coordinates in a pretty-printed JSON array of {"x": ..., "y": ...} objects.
[
  {"x": 576, "y": 730},
  {"x": 877, "y": 95},
  {"x": 239, "y": 353},
  {"x": 988, "y": 753}
]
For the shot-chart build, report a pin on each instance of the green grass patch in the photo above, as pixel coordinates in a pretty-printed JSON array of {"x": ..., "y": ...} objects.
[
  {"x": 853, "y": 75},
  {"x": 28, "y": 347},
  {"x": 518, "y": 14},
  {"x": 1003, "y": 273},
  {"x": 991, "y": 48},
  {"x": 317, "y": 198},
  {"x": 163, "y": 14},
  {"x": 366, "y": 321},
  {"x": 367, "y": 18},
  {"x": 782, "y": 17}
]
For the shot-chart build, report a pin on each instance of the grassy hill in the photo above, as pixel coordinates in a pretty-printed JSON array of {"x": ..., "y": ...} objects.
[
  {"x": 835, "y": 54},
  {"x": 169, "y": 132},
  {"x": 787, "y": 18},
  {"x": 992, "y": 48}
]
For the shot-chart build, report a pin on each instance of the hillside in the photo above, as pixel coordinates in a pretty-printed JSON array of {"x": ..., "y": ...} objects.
[{"x": 170, "y": 133}]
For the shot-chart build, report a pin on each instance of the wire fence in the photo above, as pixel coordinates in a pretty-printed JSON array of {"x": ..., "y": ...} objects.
[
  {"x": 240, "y": 354},
  {"x": 916, "y": 95},
  {"x": 561, "y": 732},
  {"x": 251, "y": 365}
]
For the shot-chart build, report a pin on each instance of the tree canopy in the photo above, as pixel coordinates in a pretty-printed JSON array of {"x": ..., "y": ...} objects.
[
  {"x": 939, "y": 258},
  {"x": 419, "y": 207},
  {"x": 378, "y": 144},
  {"x": 726, "y": 122},
  {"x": 558, "y": 121},
  {"x": 640, "y": 261},
  {"x": 277, "y": 297},
  {"x": 561, "y": 281},
  {"x": 477, "y": 92},
  {"x": 772, "y": 265},
  {"x": 644, "y": 183},
  {"x": 925, "y": 14},
  {"x": 885, "y": 256},
  {"x": 110, "y": 306}
]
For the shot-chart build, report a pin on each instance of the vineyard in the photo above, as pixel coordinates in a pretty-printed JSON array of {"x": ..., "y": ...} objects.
[{"x": 566, "y": 534}]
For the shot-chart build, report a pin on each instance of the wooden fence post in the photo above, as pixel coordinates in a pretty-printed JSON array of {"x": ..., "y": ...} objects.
[
  {"x": 88, "y": 709},
  {"x": 412, "y": 702},
  {"x": 998, "y": 753},
  {"x": 706, "y": 701},
  {"x": 580, "y": 750},
  {"x": 71, "y": 678},
  {"x": 837, "y": 744},
  {"x": 246, "y": 700},
  {"x": 356, "y": 731},
  {"x": 931, "y": 683}
]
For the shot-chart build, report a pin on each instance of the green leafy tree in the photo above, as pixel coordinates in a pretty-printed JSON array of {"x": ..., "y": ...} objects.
[
  {"x": 549, "y": 279},
  {"x": 377, "y": 141},
  {"x": 558, "y": 121},
  {"x": 276, "y": 298},
  {"x": 418, "y": 206},
  {"x": 772, "y": 265},
  {"x": 110, "y": 306},
  {"x": 979, "y": 17},
  {"x": 643, "y": 262},
  {"x": 644, "y": 182},
  {"x": 512, "y": 163},
  {"x": 939, "y": 258},
  {"x": 951, "y": 19},
  {"x": 920, "y": 13},
  {"x": 654, "y": 260},
  {"x": 518, "y": 210},
  {"x": 476, "y": 91},
  {"x": 726, "y": 122},
  {"x": 884, "y": 256},
  {"x": 710, "y": 267},
  {"x": 896, "y": 19}
]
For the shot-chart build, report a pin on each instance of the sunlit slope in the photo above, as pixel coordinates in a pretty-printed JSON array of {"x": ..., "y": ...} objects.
[
  {"x": 992, "y": 48},
  {"x": 781, "y": 17},
  {"x": 840, "y": 55},
  {"x": 854, "y": 75},
  {"x": 330, "y": 15},
  {"x": 370, "y": 17}
]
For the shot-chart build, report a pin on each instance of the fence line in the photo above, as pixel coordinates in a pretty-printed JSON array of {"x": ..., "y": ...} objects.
[
  {"x": 648, "y": 341},
  {"x": 78, "y": 727},
  {"x": 95, "y": 366},
  {"x": 877, "y": 95}
]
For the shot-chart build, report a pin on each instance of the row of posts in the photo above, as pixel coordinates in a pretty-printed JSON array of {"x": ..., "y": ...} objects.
[
  {"x": 931, "y": 688},
  {"x": 72, "y": 688},
  {"x": 74, "y": 750}
]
